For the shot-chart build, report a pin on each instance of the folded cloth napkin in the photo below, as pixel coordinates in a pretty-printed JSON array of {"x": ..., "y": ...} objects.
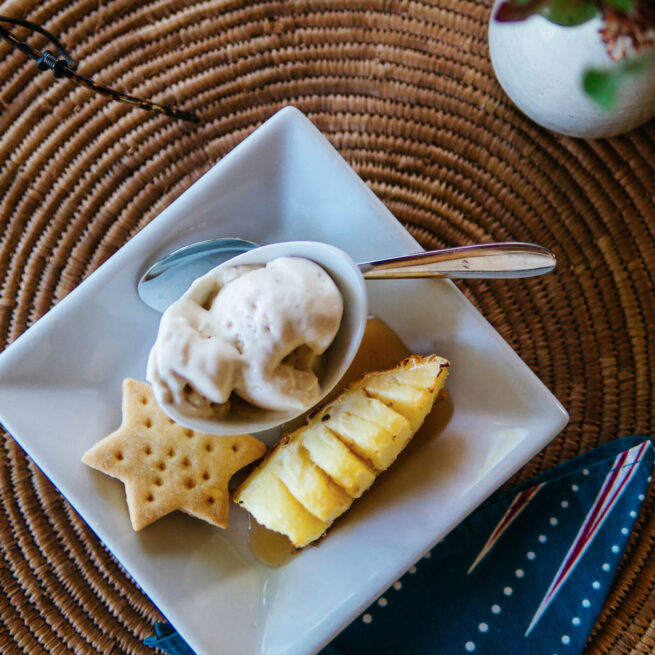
[{"x": 525, "y": 574}]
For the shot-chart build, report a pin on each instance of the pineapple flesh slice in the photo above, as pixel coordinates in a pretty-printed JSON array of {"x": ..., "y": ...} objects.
[
  {"x": 314, "y": 473},
  {"x": 411, "y": 390},
  {"x": 273, "y": 505},
  {"x": 330, "y": 453},
  {"x": 359, "y": 403},
  {"x": 308, "y": 483},
  {"x": 380, "y": 445}
]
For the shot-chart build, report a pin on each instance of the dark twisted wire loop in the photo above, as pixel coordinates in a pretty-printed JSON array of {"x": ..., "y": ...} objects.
[
  {"x": 48, "y": 61},
  {"x": 66, "y": 67}
]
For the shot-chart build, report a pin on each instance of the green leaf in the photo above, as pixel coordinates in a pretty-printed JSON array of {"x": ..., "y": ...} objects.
[
  {"x": 570, "y": 12},
  {"x": 562, "y": 12},
  {"x": 626, "y": 6},
  {"x": 601, "y": 86}
]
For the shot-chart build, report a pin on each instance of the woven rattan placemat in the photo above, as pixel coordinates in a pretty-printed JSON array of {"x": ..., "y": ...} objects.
[{"x": 405, "y": 91}]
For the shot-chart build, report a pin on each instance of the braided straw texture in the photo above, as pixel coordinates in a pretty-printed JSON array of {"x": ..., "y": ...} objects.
[{"x": 404, "y": 89}]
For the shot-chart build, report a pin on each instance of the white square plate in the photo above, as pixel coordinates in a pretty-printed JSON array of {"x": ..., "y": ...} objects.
[{"x": 60, "y": 393}]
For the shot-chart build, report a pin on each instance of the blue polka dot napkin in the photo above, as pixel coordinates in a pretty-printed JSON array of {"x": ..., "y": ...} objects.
[{"x": 525, "y": 574}]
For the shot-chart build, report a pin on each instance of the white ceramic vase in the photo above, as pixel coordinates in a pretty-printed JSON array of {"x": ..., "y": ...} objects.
[{"x": 540, "y": 66}]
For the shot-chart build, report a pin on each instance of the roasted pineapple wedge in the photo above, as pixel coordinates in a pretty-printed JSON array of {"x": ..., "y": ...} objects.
[{"x": 314, "y": 473}]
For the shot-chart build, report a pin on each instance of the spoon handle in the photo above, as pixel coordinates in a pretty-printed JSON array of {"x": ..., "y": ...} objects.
[{"x": 487, "y": 260}]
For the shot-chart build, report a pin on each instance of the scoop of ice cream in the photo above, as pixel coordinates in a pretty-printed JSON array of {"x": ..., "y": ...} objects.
[{"x": 254, "y": 330}]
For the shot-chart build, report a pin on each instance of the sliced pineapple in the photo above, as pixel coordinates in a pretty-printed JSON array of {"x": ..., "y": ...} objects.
[
  {"x": 408, "y": 401},
  {"x": 359, "y": 403},
  {"x": 367, "y": 436},
  {"x": 272, "y": 505},
  {"x": 315, "y": 472},
  {"x": 421, "y": 375},
  {"x": 308, "y": 483},
  {"x": 337, "y": 460},
  {"x": 411, "y": 388}
]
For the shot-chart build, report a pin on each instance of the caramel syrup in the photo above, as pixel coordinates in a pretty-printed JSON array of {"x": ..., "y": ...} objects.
[
  {"x": 381, "y": 348},
  {"x": 270, "y": 548}
]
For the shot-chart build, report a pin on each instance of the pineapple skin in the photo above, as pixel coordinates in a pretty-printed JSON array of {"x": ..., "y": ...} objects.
[{"x": 313, "y": 474}]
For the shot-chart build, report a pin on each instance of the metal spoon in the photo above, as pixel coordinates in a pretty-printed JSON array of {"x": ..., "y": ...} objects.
[{"x": 166, "y": 280}]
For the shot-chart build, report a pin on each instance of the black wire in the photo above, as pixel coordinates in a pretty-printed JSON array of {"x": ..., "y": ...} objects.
[
  {"x": 65, "y": 66},
  {"x": 15, "y": 41},
  {"x": 72, "y": 64}
]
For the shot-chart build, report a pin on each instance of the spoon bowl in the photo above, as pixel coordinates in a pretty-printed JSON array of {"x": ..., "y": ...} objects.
[
  {"x": 167, "y": 279},
  {"x": 245, "y": 418}
]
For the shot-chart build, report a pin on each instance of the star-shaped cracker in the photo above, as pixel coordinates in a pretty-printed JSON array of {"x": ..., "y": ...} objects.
[{"x": 165, "y": 466}]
